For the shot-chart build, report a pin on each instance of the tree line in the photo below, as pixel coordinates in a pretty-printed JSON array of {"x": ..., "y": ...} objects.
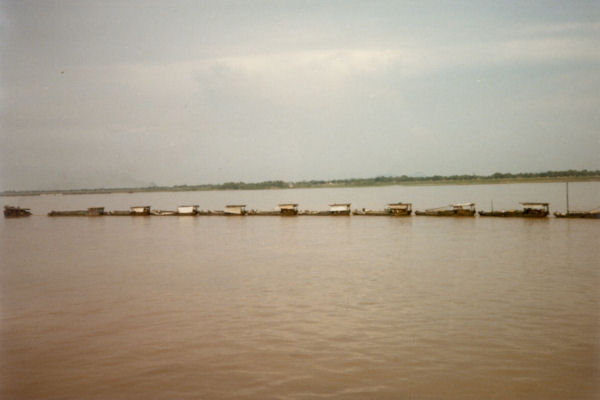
[{"x": 377, "y": 181}]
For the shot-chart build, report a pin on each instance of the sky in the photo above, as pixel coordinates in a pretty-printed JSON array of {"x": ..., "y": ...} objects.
[{"x": 127, "y": 93}]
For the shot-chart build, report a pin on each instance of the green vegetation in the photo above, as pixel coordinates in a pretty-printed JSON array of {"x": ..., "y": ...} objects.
[{"x": 498, "y": 177}]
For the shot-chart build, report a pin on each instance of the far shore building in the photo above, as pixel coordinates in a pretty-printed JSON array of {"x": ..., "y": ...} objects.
[
  {"x": 289, "y": 209},
  {"x": 235, "y": 209}
]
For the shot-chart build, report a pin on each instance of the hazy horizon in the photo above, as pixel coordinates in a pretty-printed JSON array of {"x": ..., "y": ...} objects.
[{"x": 128, "y": 94}]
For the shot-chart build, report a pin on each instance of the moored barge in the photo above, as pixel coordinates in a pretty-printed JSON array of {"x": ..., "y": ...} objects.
[
  {"x": 392, "y": 210},
  {"x": 592, "y": 214},
  {"x": 13, "y": 212},
  {"x": 90, "y": 212},
  {"x": 288, "y": 209},
  {"x": 530, "y": 210},
  {"x": 453, "y": 210}
]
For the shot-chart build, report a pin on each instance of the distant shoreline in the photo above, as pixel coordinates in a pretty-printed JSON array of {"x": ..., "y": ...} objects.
[{"x": 592, "y": 176}]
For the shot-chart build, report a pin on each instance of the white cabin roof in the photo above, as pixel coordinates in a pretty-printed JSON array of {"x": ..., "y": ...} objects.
[{"x": 463, "y": 204}]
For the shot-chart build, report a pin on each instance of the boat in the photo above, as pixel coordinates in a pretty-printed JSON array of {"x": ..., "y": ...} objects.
[
  {"x": 312, "y": 212},
  {"x": 453, "y": 210},
  {"x": 12, "y": 212},
  {"x": 73, "y": 213},
  {"x": 120, "y": 213},
  {"x": 210, "y": 212},
  {"x": 90, "y": 212},
  {"x": 263, "y": 213},
  {"x": 530, "y": 210},
  {"x": 288, "y": 209},
  {"x": 392, "y": 210},
  {"x": 96, "y": 211},
  {"x": 163, "y": 213},
  {"x": 592, "y": 214}
]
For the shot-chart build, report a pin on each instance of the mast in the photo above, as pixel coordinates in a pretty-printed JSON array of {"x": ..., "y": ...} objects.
[{"x": 567, "y": 197}]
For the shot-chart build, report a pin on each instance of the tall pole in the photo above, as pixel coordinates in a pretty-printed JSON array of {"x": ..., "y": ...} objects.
[{"x": 567, "y": 197}]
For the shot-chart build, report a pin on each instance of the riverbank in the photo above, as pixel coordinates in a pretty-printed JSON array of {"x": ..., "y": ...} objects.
[{"x": 345, "y": 183}]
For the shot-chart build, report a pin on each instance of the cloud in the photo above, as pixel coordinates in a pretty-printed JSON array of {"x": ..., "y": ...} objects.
[
  {"x": 408, "y": 60},
  {"x": 561, "y": 29}
]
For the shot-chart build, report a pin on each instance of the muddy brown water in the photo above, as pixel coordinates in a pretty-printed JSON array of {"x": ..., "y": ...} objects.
[{"x": 301, "y": 307}]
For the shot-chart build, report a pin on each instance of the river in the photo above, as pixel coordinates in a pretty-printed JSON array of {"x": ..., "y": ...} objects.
[{"x": 302, "y": 307}]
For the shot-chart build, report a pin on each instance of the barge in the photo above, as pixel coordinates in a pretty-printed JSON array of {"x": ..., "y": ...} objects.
[
  {"x": 164, "y": 213},
  {"x": 592, "y": 214},
  {"x": 392, "y": 210},
  {"x": 453, "y": 210},
  {"x": 14, "y": 212},
  {"x": 530, "y": 210},
  {"x": 288, "y": 209},
  {"x": 90, "y": 212}
]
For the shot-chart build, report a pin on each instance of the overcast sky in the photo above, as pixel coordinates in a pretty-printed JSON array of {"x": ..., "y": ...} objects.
[{"x": 132, "y": 93}]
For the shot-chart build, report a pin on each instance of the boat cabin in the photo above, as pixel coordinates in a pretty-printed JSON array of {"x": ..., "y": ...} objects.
[
  {"x": 235, "y": 209},
  {"x": 96, "y": 211},
  {"x": 339, "y": 208},
  {"x": 187, "y": 210},
  {"x": 400, "y": 208},
  {"x": 289, "y": 209},
  {"x": 140, "y": 210},
  {"x": 536, "y": 208},
  {"x": 463, "y": 206}
]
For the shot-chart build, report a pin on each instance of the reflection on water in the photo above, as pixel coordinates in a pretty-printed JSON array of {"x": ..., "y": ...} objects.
[{"x": 181, "y": 307}]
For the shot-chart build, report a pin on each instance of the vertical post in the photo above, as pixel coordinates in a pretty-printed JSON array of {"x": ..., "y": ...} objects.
[
  {"x": 567, "y": 197},
  {"x": 492, "y": 205}
]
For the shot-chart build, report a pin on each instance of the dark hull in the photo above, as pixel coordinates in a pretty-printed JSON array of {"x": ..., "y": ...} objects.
[
  {"x": 381, "y": 213},
  {"x": 289, "y": 213},
  {"x": 519, "y": 214},
  {"x": 446, "y": 213},
  {"x": 325, "y": 213},
  {"x": 588, "y": 214},
  {"x": 77, "y": 213},
  {"x": 265, "y": 213},
  {"x": 210, "y": 213},
  {"x": 120, "y": 213},
  {"x": 15, "y": 212}
]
